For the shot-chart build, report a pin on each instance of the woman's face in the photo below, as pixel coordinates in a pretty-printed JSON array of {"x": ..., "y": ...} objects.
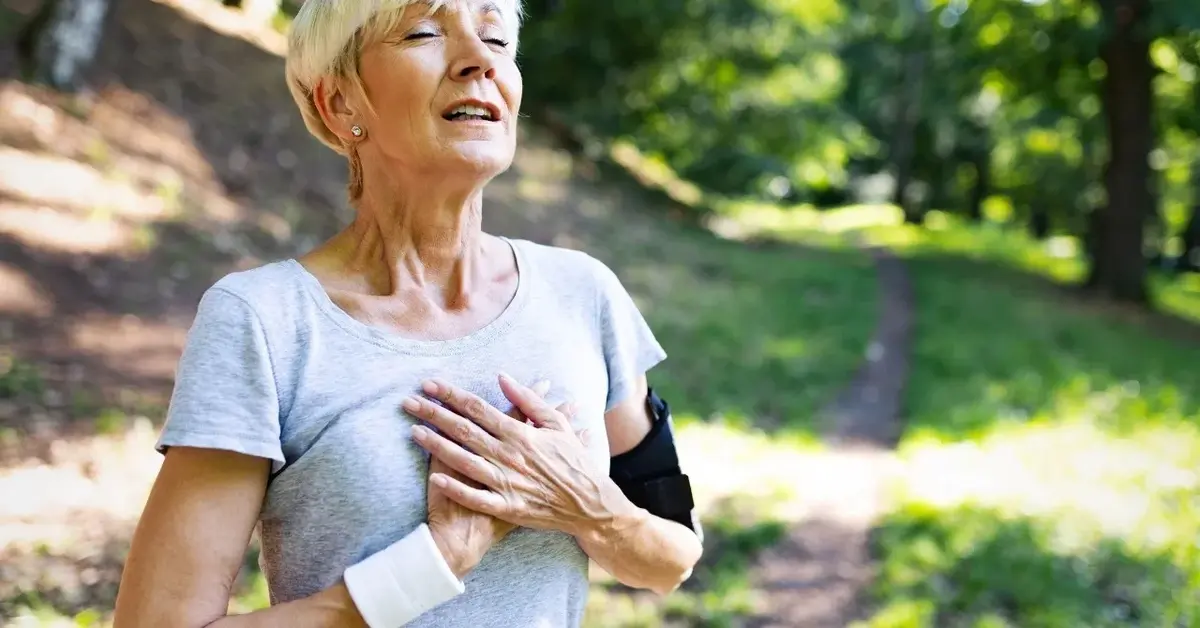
[{"x": 445, "y": 89}]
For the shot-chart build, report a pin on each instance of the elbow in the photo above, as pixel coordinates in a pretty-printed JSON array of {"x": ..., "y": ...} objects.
[
  {"x": 667, "y": 588},
  {"x": 680, "y": 569},
  {"x": 672, "y": 583}
]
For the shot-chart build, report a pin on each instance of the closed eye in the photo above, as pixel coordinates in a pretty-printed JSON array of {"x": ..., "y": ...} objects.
[
  {"x": 499, "y": 42},
  {"x": 421, "y": 35}
]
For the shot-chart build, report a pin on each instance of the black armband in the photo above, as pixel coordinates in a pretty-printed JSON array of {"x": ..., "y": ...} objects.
[{"x": 650, "y": 475}]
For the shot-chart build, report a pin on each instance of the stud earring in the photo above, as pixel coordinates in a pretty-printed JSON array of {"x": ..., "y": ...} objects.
[{"x": 356, "y": 130}]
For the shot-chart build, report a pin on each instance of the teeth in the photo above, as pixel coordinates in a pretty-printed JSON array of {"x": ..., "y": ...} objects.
[{"x": 468, "y": 110}]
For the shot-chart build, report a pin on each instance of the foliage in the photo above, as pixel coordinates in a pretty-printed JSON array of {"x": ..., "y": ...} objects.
[
  {"x": 733, "y": 95},
  {"x": 938, "y": 104}
]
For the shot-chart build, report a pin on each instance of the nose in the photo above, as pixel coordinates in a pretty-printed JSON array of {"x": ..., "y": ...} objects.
[{"x": 474, "y": 61}]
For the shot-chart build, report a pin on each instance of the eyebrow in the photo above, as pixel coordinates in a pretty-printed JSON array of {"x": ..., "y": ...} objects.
[
  {"x": 485, "y": 8},
  {"x": 491, "y": 7}
]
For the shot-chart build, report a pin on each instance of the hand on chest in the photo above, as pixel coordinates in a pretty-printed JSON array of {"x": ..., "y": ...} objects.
[{"x": 584, "y": 395}]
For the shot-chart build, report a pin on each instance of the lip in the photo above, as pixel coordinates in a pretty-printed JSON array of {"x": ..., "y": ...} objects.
[{"x": 472, "y": 102}]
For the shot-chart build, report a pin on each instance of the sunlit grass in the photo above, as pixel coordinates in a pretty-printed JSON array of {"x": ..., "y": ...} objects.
[
  {"x": 40, "y": 615},
  {"x": 978, "y": 566},
  {"x": 1050, "y": 462},
  {"x": 1006, "y": 246},
  {"x": 1057, "y": 522}
]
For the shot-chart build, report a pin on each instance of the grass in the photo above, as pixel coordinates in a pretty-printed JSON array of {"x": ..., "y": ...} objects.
[
  {"x": 758, "y": 339},
  {"x": 1049, "y": 464},
  {"x": 993, "y": 250},
  {"x": 1049, "y": 467},
  {"x": 971, "y": 566},
  {"x": 19, "y": 378}
]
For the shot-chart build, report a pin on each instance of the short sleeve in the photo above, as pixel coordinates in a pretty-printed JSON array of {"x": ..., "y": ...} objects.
[
  {"x": 630, "y": 348},
  {"x": 225, "y": 394}
]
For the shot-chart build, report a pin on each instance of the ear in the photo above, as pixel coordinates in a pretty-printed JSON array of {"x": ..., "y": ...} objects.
[{"x": 335, "y": 108}]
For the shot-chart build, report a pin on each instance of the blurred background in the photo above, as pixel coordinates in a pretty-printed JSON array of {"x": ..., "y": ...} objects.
[{"x": 928, "y": 272}]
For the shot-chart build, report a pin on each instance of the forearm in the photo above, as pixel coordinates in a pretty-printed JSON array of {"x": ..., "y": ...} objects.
[
  {"x": 388, "y": 588},
  {"x": 639, "y": 549},
  {"x": 330, "y": 608}
]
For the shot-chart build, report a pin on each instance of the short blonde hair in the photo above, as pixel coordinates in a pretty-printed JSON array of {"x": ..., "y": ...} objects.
[{"x": 327, "y": 37}]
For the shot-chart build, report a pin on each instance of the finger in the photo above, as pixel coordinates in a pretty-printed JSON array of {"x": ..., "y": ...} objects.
[
  {"x": 477, "y": 499},
  {"x": 532, "y": 406},
  {"x": 567, "y": 411},
  {"x": 453, "y": 426},
  {"x": 472, "y": 407},
  {"x": 450, "y": 454},
  {"x": 541, "y": 388}
]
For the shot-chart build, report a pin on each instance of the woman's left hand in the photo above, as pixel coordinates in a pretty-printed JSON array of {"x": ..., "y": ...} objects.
[{"x": 537, "y": 474}]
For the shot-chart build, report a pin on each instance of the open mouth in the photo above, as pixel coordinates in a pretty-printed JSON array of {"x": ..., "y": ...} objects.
[{"x": 473, "y": 110}]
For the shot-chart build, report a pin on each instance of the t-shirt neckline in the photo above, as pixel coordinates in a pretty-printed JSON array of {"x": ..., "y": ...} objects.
[{"x": 396, "y": 342}]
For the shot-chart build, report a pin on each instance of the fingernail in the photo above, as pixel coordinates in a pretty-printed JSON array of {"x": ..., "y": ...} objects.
[
  {"x": 430, "y": 387},
  {"x": 411, "y": 404},
  {"x": 420, "y": 432},
  {"x": 505, "y": 377},
  {"x": 439, "y": 481}
]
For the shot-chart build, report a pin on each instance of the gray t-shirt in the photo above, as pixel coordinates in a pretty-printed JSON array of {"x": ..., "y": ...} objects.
[{"x": 273, "y": 368}]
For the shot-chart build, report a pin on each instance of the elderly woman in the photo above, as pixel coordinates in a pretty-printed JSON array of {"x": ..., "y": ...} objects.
[{"x": 420, "y": 417}]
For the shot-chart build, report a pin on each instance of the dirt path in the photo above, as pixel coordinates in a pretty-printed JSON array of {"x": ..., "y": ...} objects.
[{"x": 817, "y": 577}]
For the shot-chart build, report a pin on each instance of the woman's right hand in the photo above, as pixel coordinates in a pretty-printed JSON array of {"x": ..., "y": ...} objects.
[{"x": 463, "y": 535}]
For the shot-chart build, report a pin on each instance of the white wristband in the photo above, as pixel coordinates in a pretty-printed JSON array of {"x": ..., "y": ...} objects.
[{"x": 400, "y": 582}]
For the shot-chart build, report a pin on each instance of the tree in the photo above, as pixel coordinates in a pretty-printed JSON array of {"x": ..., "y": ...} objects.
[
  {"x": 57, "y": 44},
  {"x": 1190, "y": 253},
  {"x": 909, "y": 111},
  {"x": 1118, "y": 268}
]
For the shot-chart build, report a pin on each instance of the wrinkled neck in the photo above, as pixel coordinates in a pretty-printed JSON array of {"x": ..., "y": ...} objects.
[{"x": 417, "y": 236}]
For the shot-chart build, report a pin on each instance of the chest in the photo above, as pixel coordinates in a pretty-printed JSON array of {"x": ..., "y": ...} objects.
[{"x": 348, "y": 444}]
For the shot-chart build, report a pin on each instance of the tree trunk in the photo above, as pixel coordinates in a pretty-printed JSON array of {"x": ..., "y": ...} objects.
[
  {"x": 1190, "y": 255},
  {"x": 908, "y": 111},
  {"x": 1119, "y": 266},
  {"x": 1039, "y": 222},
  {"x": 60, "y": 41},
  {"x": 904, "y": 144},
  {"x": 982, "y": 162}
]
